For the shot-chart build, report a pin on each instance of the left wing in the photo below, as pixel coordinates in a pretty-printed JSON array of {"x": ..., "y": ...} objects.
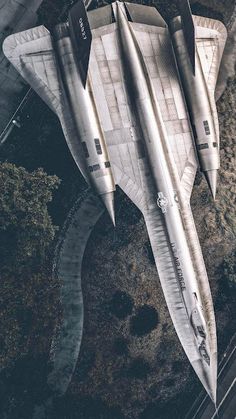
[
  {"x": 15, "y": 15},
  {"x": 32, "y": 54}
]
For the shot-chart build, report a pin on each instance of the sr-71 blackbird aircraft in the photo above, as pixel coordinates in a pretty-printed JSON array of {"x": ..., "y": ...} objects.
[{"x": 135, "y": 98}]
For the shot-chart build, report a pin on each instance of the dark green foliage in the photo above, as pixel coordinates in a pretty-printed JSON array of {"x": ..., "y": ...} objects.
[
  {"x": 74, "y": 407},
  {"x": 170, "y": 382},
  {"x": 151, "y": 411},
  {"x": 24, "y": 317},
  {"x": 40, "y": 143},
  {"x": 160, "y": 410},
  {"x": 139, "y": 368},
  {"x": 177, "y": 367},
  {"x": 26, "y": 229},
  {"x": 127, "y": 212},
  {"x": 22, "y": 385},
  {"x": 229, "y": 270},
  {"x": 120, "y": 346},
  {"x": 121, "y": 304},
  {"x": 86, "y": 363},
  {"x": 199, "y": 9},
  {"x": 144, "y": 321}
]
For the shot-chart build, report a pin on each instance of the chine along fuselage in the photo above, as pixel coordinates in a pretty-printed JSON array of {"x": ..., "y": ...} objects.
[{"x": 136, "y": 102}]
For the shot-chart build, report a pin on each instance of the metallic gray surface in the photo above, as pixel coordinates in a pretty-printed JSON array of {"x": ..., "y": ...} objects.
[
  {"x": 15, "y": 16},
  {"x": 83, "y": 108},
  {"x": 199, "y": 94},
  {"x": 187, "y": 297},
  {"x": 134, "y": 105}
]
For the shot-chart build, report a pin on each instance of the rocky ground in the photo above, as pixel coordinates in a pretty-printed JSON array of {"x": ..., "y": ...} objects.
[{"x": 131, "y": 365}]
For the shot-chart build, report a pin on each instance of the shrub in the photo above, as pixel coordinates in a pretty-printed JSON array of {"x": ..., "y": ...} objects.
[
  {"x": 26, "y": 228},
  {"x": 144, "y": 321},
  {"x": 121, "y": 304}
]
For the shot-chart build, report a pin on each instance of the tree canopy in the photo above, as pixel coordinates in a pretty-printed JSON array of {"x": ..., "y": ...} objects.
[{"x": 26, "y": 228}]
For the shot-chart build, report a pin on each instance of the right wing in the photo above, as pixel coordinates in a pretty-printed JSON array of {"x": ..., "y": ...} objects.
[{"x": 211, "y": 37}]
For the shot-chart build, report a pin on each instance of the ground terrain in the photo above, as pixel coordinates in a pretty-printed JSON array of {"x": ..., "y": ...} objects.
[{"x": 131, "y": 365}]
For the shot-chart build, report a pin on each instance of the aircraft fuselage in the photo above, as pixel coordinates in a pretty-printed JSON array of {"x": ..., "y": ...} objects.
[{"x": 169, "y": 194}]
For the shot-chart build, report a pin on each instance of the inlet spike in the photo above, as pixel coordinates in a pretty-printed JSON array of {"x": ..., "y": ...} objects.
[
  {"x": 211, "y": 178},
  {"x": 108, "y": 201}
]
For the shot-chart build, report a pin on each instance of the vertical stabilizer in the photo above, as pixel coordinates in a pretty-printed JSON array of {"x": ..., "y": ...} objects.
[
  {"x": 81, "y": 37},
  {"x": 189, "y": 29}
]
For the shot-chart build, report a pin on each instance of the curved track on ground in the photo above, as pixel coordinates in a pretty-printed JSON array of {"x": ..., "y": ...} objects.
[{"x": 67, "y": 267}]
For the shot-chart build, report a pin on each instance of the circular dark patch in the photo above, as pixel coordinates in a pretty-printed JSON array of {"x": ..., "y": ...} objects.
[
  {"x": 139, "y": 368},
  {"x": 121, "y": 304},
  {"x": 120, "y": 346},
  {"x": 144, "y": 321}
]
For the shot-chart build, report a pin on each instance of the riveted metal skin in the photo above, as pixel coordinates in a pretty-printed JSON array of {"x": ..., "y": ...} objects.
[{"x": 85, "y": 116}]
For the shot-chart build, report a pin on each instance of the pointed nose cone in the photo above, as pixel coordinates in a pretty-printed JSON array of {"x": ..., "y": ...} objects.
[
  {"x": 207, "y": 375},
  {"x": 108, "y": 200},
  {"x": 211, "y": 177}
]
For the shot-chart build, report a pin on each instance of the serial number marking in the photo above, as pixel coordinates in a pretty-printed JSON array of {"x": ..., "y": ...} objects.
[
  {"x": 178, "y": 268},
  {"x": 82, "y": 28}
]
